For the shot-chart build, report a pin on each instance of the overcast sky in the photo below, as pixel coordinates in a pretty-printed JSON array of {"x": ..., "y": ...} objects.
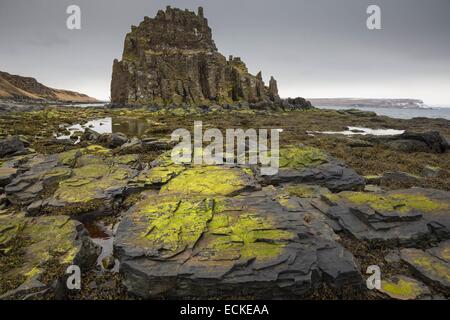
[{"x": 314, "y": 48}]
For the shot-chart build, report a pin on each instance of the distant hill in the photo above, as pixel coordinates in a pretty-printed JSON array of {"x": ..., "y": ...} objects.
[
  {"x": 25, "y": 88},
  {"x": 373, "y": 103}
]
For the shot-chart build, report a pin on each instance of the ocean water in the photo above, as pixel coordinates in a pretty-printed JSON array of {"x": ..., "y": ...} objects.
[{"x": 433, "y": 112}]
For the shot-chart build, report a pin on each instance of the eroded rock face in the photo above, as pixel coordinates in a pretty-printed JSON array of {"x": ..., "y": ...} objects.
[{"x": 172, "y": 59}]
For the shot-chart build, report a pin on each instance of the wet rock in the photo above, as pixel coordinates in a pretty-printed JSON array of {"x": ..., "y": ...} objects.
[
  {"x": 10, "y": 146},
  {"x": 404, "y": 288},
  {"x": 311, "y": 165},
  {"x": 177, "y": 245},
  {"x": 428, "y": 266},
  {"x": 32, "y": 247},
  {"x": 413, "y": 216}
]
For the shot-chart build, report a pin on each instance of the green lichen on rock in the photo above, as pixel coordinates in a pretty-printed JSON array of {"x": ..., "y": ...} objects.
[
  {"x": 213, "y": 229},
  {"x": 175, "y": 224},
  {"x": 90, "y": 181},
  {"x": 210, "y": 181},
  {"x": 393, "y": 202},
  {"x": 159, "y": 175},
  {"x": 31, "y": 243},
  {"x": 245, "y": 236},
  {"x": 429, "y": 266},
  {"x": 301, "y": 157},
  {"x": 306, "y": 191},
  {"x": 403, "y": 288}
]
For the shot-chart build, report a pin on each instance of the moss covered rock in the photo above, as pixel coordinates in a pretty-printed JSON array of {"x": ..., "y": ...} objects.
[
  {"x": 303, "y": 164},
  {"x": 429, "y": 266},
  {"x": 40, "y": 249},
  {"x": 413, "y": 216},
  {"x": 194, "y": 244},
  {"x": 404, "y": 288},
  {"x": 211, "y": 180}
]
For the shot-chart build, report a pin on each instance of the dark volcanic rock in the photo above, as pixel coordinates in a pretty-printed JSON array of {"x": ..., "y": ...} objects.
[
  {"x": 432, "y": 265},
  {"x": 172, "y": 60},
  {"x": 431, "y": 141},
  {"x": 75, "y": 182},
  {"x": 412, "y": 217},
  {"x": 51, "y": 242},
  {"x": 179, "y": 245},
  {"x": 311, "y": 165}
]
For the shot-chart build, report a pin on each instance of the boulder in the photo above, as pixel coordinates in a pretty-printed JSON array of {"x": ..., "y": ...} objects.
[{"x": 176, "y": 245}]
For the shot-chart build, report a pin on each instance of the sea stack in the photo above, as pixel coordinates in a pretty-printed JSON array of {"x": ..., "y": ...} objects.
[{"x": 172, "y": 60}]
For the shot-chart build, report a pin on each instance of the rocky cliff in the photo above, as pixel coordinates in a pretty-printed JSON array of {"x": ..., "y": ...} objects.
[
  {"x": 25, "y": 88},
  {"x": 172, "y": 59}
]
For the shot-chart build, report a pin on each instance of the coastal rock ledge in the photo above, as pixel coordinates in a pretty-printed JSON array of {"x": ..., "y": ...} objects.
[{"x": 173, "y": 60}]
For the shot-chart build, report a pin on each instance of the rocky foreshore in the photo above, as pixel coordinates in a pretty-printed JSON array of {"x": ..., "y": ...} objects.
[
  {"x": 220, "y": 231},
  {"x": 97, "y": 188}
]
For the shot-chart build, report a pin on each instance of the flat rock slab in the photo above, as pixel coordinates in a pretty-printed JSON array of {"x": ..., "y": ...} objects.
[
  {"x": 410, "y": 217},
  {"x": 404, "y": 288},
  {"x": 33, "y": 247},
  {"x": 429, "y": 264},
  {"x": 73, "y": 182},
  {"x": 204, "y": 245},
  {"x": 310, "y": 165}
]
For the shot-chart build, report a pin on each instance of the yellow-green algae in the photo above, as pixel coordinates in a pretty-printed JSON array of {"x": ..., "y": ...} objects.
[
  {"x": 431, "y": 265},
  {"x": 306, "y": 191},
  {"x": 89, "y": 180},
  {"x": 41, "y": 239},
  {"x": 402, "y": 288},
  {"x": 177, "y": 222},
  {"x": 208, "y": 180},
  {"x": 174, "y": 223},
  {"x": 245, "y": 236},
  {"x": 395, "y": 202},
  {"x": 301, "y": 157},
  {"x": 159, "y": 175}
]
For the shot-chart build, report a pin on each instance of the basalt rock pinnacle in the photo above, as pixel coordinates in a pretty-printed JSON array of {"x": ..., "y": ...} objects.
[{"x": 173, "y": 60}]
